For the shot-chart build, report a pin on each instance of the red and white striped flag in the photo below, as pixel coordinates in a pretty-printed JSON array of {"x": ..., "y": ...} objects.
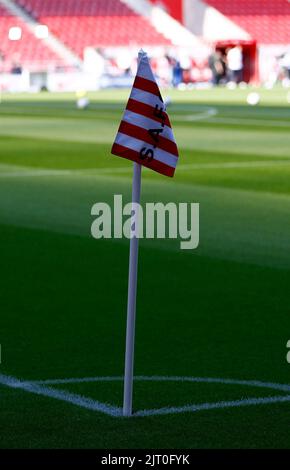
[{"x": 145, "y": 135}]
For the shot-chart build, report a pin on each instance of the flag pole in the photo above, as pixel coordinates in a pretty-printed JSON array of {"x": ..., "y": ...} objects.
[
  {"x": 132, "y": 291},
  {"x": 164, "y": 163}
]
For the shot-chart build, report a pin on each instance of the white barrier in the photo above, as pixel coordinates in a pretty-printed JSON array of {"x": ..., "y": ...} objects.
[{"x": 15, "y": 82}]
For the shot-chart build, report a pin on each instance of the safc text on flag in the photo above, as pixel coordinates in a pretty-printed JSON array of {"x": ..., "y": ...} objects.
[{"x": 145, "y": 135}]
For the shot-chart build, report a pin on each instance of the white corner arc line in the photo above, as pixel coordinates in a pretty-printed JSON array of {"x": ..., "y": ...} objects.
[
  {"x": 164, "y": 378},
  {"x": 235, "y": 165},
  {"x": 62, "y": 395},
  {"x": 95, "y": 173},
  {"x": 40, "y": 388},
  {"x": 248, "y": 122},
  {"x": 207, "y": 113},
  {"x": 214, "y": 406}
]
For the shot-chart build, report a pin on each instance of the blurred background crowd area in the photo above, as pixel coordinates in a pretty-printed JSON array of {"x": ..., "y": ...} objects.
[{"x": 64, "y": 45}]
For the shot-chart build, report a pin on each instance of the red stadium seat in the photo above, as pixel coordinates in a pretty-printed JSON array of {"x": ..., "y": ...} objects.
[
  {"x": 26, "y": 51},
  {"x": 93, "y": 23},
  {"x": 267, "y": 21}
]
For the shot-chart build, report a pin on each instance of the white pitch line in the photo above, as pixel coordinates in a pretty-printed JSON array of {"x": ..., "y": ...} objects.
[
  {"x": 38, "y": 388},
  {"x": 253, "y": 164},
  {"x": 161, "y": 378},
  {"x": 213, "y": 406},
  {"x": 94, "y": 173},
  {"x": 62, "y": 395},
  {"x": 247, "y": 122},
  {"x": 206, "y": 114},
  {"x": 210, "y": 114},
  {"x": 79, "y": 380}
]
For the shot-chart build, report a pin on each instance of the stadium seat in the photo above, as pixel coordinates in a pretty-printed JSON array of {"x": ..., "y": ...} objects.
[
  {"x": 97, "y": 23},
  {"x": 267, "y": 21},
  {"x": 28, "y": 50}
]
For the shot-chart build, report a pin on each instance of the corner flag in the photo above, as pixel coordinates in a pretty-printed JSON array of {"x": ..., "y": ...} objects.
[
  {"x": 145, "y": 137},
  {"x": 145, "y": 134}
]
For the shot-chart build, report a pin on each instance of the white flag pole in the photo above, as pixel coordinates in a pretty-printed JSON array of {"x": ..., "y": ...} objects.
[
  {"x": 132, "y": 288},
  {"x": 132, "y": 291}
]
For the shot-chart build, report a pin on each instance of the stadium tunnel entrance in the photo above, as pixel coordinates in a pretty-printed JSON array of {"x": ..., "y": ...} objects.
[{"x": 250, "y": 72}]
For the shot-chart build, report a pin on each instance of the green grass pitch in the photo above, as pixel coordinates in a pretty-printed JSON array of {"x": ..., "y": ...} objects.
[{"x": 220, "y": 311}]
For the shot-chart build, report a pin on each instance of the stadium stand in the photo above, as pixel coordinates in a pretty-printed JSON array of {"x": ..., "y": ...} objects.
[
  {"x": 173, "y": 7},
  {"x": 99, "y": 23},
  {"x": 28, "y": 50},
  {"x": 267, "y": 21}
]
